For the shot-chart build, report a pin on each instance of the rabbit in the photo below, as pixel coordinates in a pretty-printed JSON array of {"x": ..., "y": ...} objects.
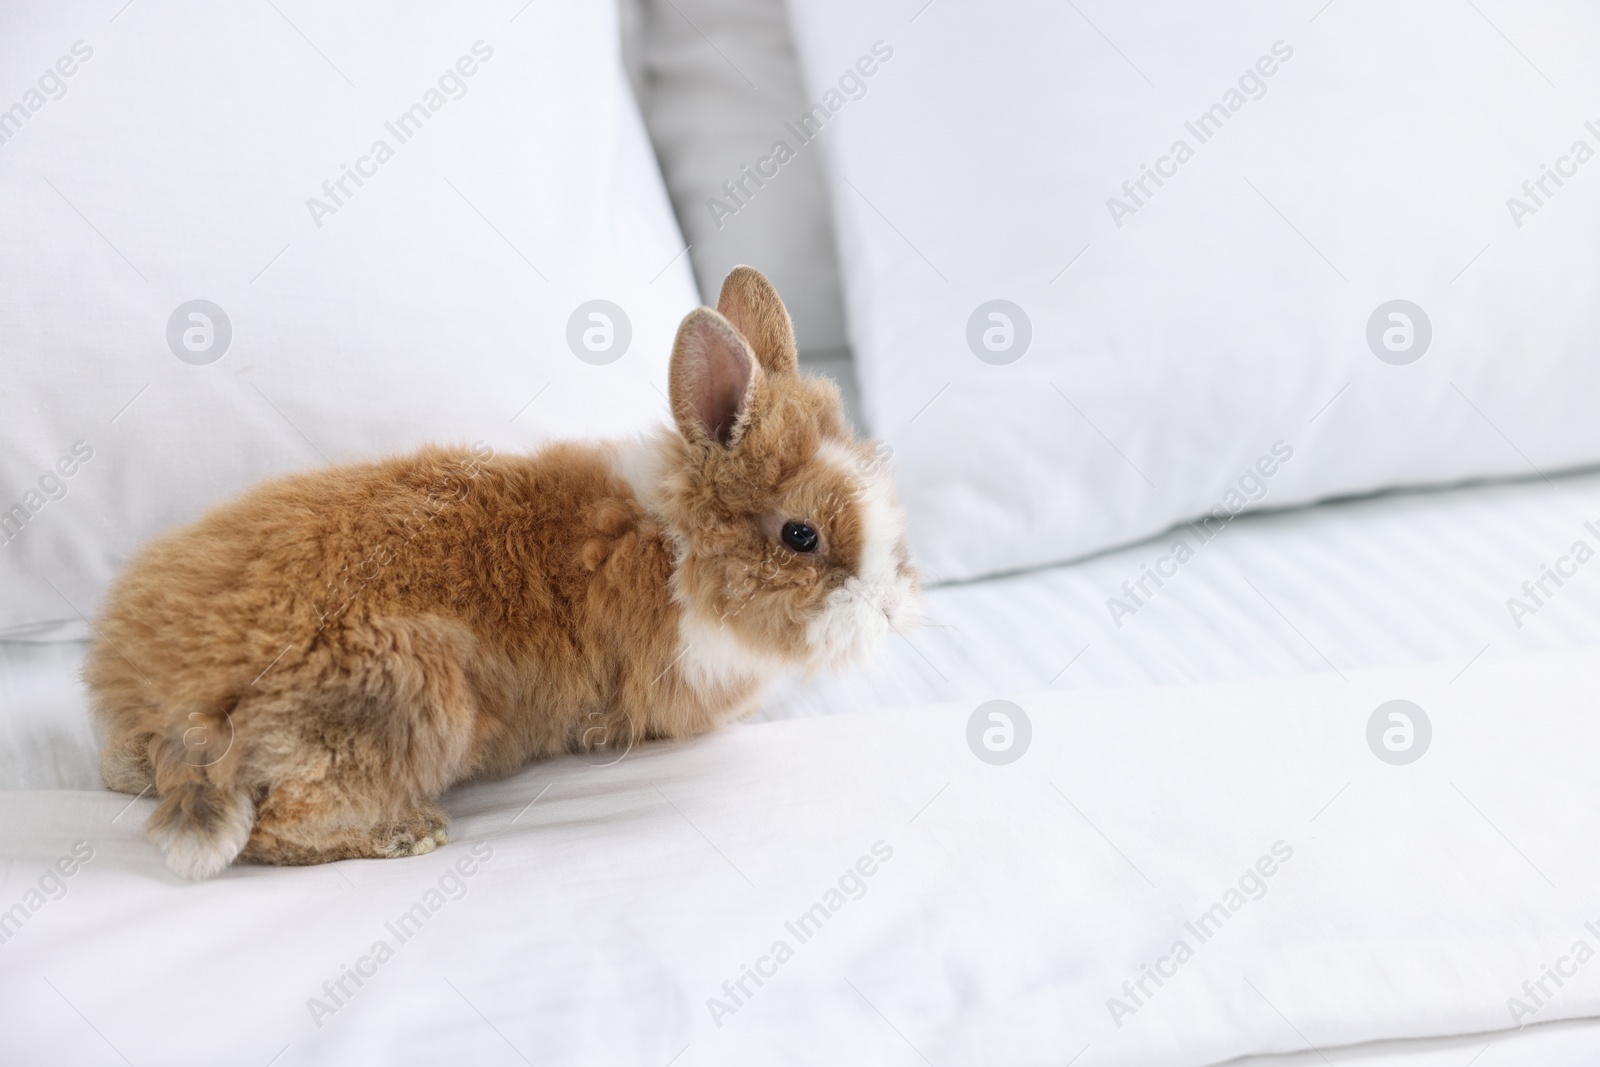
[{"x": 300, "y": 674}]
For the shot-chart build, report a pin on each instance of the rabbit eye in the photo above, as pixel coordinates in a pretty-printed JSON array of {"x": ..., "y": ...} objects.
[{"x": 800, "y": 537}]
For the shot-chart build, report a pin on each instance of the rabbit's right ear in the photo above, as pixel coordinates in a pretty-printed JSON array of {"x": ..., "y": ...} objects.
[
  {"x": 750, "y": 302},
  {"x": 712, "y": 379}
]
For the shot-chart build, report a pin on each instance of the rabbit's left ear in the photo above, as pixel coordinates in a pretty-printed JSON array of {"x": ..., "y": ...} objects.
[
  {"x": 752, "y": 305},
  {"x": 712, "y": 379}
]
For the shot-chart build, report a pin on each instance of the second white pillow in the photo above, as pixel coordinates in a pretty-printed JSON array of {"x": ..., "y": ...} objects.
[{"x": 1109, "y": 267}]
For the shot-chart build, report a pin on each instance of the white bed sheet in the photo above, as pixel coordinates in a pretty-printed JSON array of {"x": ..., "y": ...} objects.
[
  {"x": 1388, "y": 579},
  {"x": 616, "y": 901}
]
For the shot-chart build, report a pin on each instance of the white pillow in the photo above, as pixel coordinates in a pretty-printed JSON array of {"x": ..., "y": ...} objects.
[
  {"x": 718, "y": 80},
  {"x": 1201, "y": 344},
  {"x": 179, "y": 153}
]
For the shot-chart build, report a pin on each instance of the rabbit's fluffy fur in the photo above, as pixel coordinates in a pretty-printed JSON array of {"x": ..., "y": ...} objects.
[{"x": 302, "y": 673}]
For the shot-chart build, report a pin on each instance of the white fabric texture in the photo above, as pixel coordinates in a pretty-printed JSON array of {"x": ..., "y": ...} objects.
[
  {"x": 995, "y": 907},
  {"x": 1180, "y": 331},
  {"x": 184, "y": 158},
  {"x": 717, "y": 81}
]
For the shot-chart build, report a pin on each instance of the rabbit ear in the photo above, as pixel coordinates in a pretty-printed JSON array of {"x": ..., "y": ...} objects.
[
  {"x": 712, "y": 379},
  {"x": 750, "y": 302}
]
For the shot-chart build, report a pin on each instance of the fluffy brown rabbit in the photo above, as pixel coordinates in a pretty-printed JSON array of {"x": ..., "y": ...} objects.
[{"x": 300, "y": 674}]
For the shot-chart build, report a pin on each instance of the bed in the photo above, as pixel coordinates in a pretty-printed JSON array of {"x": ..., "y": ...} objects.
[
  {"x": 1007, "y": 905},
  {"x": 1318, "y": 792}
]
